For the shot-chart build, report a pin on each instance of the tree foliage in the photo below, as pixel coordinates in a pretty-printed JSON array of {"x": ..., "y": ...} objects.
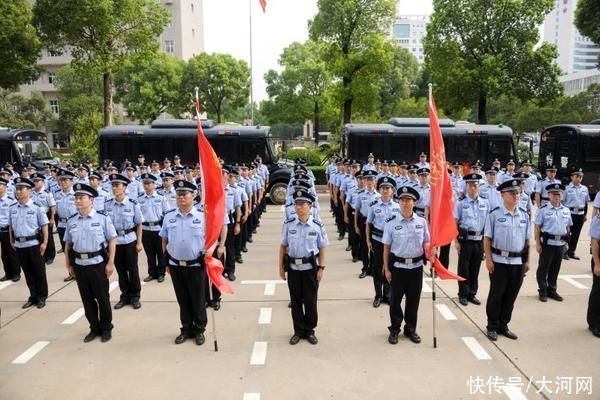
[
  {"x": 100, "y": 34},
  {"x": 587, "y": 20},
  {"x": 148, "y": 85},
  {"x": 480, "y": 49},
  {"x": 395, "y": 86},
  {"x": 20, "y": 46},
  {"x": 17, "y": 111},
  {"x": 223, "y": 81}
]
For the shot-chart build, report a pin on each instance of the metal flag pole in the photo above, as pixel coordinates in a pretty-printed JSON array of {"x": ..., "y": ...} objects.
[
  {"x": 209, "y": 288},
  {"x": 433, "y": 299},
  {"x": 251, "y": 82}
]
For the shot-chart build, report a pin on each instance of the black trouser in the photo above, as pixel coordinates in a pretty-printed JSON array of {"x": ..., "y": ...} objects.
[
  {"x": 505, "y": 283},
  {"x": 339, "y": 214},
  {"x": 50, "y": 253},
  {"x": 381, "y": 284},
  {"x": 229, "y": 265},
  {"x": 34, "y": 269},
  {"x": 61, "y": 235},
  {"x": 407, "y": 282},
  {"x": 593, "y": 311},
  {"x": 353, "y": 239},
  {"x": 445, "y": 256},
  {"x": 469, "y": 263},
  {"x": 10, "y": 261},
  {"x": 548, "y": 268},
  {"x": 575, "y": 231},
  {"x": 243, "y": 231},
  {"x": 216, "y": 294},
  {"x": 364, "y": 249},
  {"x": 92, "y": 283},
  {"x": 126, "y": 262},
  {"x": 303, "y": 288},
  {"x": 153, "y": 248},
  {"x": 188, "y": 283}
]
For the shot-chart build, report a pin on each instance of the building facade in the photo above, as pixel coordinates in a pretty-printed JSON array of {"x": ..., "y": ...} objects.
[
  {"x": 409, "y": 31},
  {"x": 579, "y": 82}
]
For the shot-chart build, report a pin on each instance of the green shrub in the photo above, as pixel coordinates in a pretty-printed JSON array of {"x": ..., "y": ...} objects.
[
  {"x": 312, "y": 156},
  {"x": 319, "y": 172}
]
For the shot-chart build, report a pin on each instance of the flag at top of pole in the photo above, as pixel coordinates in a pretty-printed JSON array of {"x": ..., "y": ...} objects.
[
  {"x": 263, "y": 4},
  {"x": 213, "y": 197}
]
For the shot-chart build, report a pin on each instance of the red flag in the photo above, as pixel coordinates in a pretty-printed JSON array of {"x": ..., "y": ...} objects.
[
  {"x": 443, "y": 273},
  {"x": 263, "y": 4},
  {"x": 213, "y": 196}
]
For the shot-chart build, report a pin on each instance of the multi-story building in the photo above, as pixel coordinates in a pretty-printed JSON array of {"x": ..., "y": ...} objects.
[
  {"x": 409, "y": 31},
  {"x": 579, "y": 82},
  {"x": 575, "y": 52}
]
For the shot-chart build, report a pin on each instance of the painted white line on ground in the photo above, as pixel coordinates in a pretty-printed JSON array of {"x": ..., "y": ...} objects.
[
  {"x": 259, "y": 353},
  {"x": 426, "y": 287},
  {"x": 445, "y": 311},
  {"x": 251, "y": 396},
  {"x": 513, "y": 392},
  {"x": 269, "y": 285},
  {"x": 4, "y": 285},
  {"x": 573, "y": 282},
  {"x": 30, "y": 353},
  {"x": 265, "y": 315},
  {"x": 73, "y": 317},
  {"x": 113, "y": 286},
  {"x": 478, "y": 351}
]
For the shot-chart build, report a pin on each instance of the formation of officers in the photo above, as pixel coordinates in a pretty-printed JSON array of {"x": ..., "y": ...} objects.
[
  {"x": 105, "y": 217},
  {"x": 383, "y": 208}
]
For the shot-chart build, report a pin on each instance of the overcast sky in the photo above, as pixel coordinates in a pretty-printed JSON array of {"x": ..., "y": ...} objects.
[{"x": 226, "y": 30}]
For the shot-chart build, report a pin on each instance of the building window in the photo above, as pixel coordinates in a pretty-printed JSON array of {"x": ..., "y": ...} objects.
[
  {"x": 30, "y": 82},
  {"x": 169, "y": 47},
  {"x": 54, "y": 106},
  {"x": 51, "y": 77},
  {"x": 55, "y": 53}
]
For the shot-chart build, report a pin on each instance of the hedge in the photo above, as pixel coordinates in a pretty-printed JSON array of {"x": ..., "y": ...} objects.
[
  {"x": 319, "y": 172},
  {"x": 312, "y": 156}
]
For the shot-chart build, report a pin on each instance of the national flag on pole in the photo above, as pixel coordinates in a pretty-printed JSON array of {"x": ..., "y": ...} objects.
[
  {"x": 442, "y": 225},
  {"x": 213, "y": 197},
  {"x": 263, "y": 4}
]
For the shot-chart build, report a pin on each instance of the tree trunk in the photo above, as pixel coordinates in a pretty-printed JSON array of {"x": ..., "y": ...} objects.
[
  {"x": 316, "y": 123},
  {"x": 482, "y": 108},
  {"x": 347, "y": 100},
  {"x": 108, "y": 99}
]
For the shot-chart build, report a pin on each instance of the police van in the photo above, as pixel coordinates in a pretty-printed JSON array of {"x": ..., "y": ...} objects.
[
  {"x": 167, "y": 137},
  {"x": 25, "y": 146},
  {"x": 403, "y": 139}
]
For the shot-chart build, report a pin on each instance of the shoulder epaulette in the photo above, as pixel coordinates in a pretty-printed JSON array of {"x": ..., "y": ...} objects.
[
  {"x": 544, "y": 206},
  {"x": 170, "y": 211},
  {"x": 132, "y": 200},
  {"x": 360, "y": 190},
  {"x": 522, "y": 209},
  {"x": 102, "y": 212},
  {"x": 373, "y": 202},
  {"x": 58, "y": 190},
  {"x": 74, "y": 215},
  {"x": 494, "y": 209},
  {"x": 462, "y": 197},
  {"x": 110, "y": 199},
  {"x": 10, "y": 198},
  {"x": 390, "y": 218},
  {"x": 319, "y": 223},
  {"x": 290, "y": 220}
]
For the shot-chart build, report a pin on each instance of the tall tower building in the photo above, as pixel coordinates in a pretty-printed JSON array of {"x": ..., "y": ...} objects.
[{"x": 409, "y": 31}]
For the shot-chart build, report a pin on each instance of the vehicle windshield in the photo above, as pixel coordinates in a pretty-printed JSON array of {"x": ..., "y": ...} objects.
[{"x": 33, "y": 150}]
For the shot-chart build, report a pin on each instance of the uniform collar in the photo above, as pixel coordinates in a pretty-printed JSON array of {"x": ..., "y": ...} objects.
[
  {"x": 28, "y": 204},
  {"x": 505, "y": 210},
  {"x": 403, "y": 218},
  {"x": 150, "y": 195},
  {"x": 308, "y": 221},
  {"x": 194, "y": 211},
  {"x": 121, "y": 202},
  {"x": 91, "y": 214}
]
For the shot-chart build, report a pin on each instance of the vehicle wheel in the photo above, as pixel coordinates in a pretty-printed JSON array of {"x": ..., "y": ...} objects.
[{"x": 278, "y": 193}]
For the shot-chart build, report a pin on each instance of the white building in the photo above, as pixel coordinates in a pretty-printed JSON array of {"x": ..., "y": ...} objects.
[
  {"x": 575, "y": 52},
  {"x": 579, "y": 81},
  {"x": 409, "y": 31}
]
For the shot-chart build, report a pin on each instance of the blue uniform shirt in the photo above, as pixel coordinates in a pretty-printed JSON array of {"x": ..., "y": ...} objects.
[
  {"x": 525, "y": 202},
  {"x": 508, "y": 232},
  {"x": 379, "y": 213},
  {"x": 471, "y": 215},
  {"x": 99, "y": 200},
  {"x": 555, "y": 221},
  {"x": 65, "y": 207},
  {"x": 43, "y": 199},
  {"x": 26, "y": 220},
  {"x": 89, "y": 234},
  {"x": 5, "y": 202},
  {"x": 576, "y": 197},
  {"x": 424, "y": 199},
  {"x": 489, "y": 192},
  {"x": 540, "y": 188},
  {"x": 364, "y": 200},
  {"x": 170, "y": 197},
  {"x": 303, "y": 239},
  {"x": 232, "y": 201},
  {"x": 153, "y": 209},
  {"x": 184, "y": 234},
  {"x": 124, "y": 215},
  {"x": 406, "y": 237},
  {"x": 134, "y": 189}
]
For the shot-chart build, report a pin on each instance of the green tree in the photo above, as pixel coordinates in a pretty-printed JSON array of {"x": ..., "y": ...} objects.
[
  {"x": 587, "y": 20},
  {"x": 20, "y": 46},
  {"x": 354, "y": 31},
  {"x": 397, "y": 81},
  {"x": 17, "y": 111},
  {"x": 221, "y": 80},
  {"x": 148, "y": 85},
  {"x": 480, "y": 49},
  {"x": 101, "y": 33}
]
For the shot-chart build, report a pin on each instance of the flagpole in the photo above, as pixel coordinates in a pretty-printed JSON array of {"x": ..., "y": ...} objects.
[
  {"x": 210, "y": 284},
  {"x": 251, "y": 82},
  {"x": 433, "y": 274}
]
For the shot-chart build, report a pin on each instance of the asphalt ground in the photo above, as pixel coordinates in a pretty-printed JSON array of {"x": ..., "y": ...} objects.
[{"x": 42, "y": 355}]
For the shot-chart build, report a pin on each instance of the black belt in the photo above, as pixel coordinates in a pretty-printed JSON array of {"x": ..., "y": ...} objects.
[
  {"x": 577, "y": 209},
  {"x": 504, "y": 253},
  {"x": 187, "y": 263},
  {"x": 548, "y": 236},
  {"x": 419, "y": 209},
  {"x": 304, "y": 260},
  {"x": 153, "y": 223},
  {"x": 474, "y": 233},
  {"x": 22, "y": 239},
  {"x": 408, "y": 260},
  {"x": 123, "y": 232},
  {"x": 85, "y": 256},
  {"x": 4, "y": 229},
  {"x": 376, "y": 232}
]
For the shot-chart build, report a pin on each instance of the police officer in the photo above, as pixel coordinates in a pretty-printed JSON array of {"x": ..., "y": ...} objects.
[
  {"x": 576, "y": 200},
  {"x": 134, "y": 188},
  {"x": 153, "y": 207},
  {"x": 406, "y": 241},
  {"x": 362, "y": 203},
  {"x": 10, "y": 262},
  {"x": 127, "y": 218},
  {"x": 422, "y": 205},
  {"x": 90, "y": 245},
  {"x": 102, "y": 195},
  {"x": 470, "y": 214},
  {"x": 506, "y": 246},
  {"x": 422, "y": 161},
  {"x": 65, "y": 206},
  {"x": 29, "y": 235},
  {"x": 488, "y": 190},
  {"x": 233, "y": 205},
  {"x": 524, "y": 199},
  {"x": 541, "y": 196},
  {"x": 183, "y": 243},
  {"x": 531, "y": 181},
  {"x": 302, "y": 258},
  {"x": 507, "y": 175},
  {"x": 380, "y": 212},
  {"x": 167, "y": 190},
  {"x": 46, "y": 201},
  {"x": 593, "y": 311},
  {"x": 552, "y": 224}
]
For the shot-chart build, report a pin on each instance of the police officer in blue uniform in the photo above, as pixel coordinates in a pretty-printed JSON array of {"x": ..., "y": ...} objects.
[
  {"x": 362, "y": 202},
  {"x": 506, "y": 246},
  {"x": 167, "y": 190},
  {"x": 406, "y": 241},
  {"x": 153, "y": 207},
  {"x": 470, "y": 214},
  {"x": 127, "y": 218},
  {"x": 10, "y": 262},
  {"x": 541, "y": 196},
  {"x": 593, "y": 311},
  {"x": 90, "y": 240},
  {"x": 576, "y": 200},
  {"x": 552, "y": 224},
  {"x": 380, "y": 212},
  {"x": 48, "y": 204},
  {"x": 233, "y": 205},
  {"x": 29, "y": 235},
  {"x": 65, "y": 206},
  {"x": 95, "y": 179},
  {"x": 182, "y": 236},
  {"x": 302, "y": 259}
]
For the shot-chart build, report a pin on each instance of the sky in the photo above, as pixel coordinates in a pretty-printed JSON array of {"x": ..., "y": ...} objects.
[{"x": 226, "y": 30}]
